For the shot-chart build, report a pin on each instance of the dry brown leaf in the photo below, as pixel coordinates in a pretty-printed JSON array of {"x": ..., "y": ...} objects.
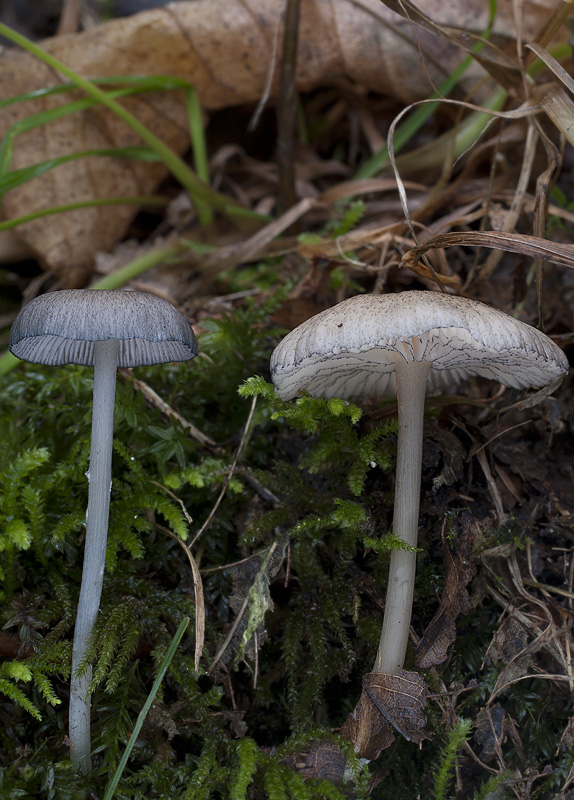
[
  {"x": 321, "y": 760},
  {"x": 493, "y": 726},
  {"x": 367, "y": 730},
  {"x": 387, "y": 702},
  {"x": 460, "y": 569},
  {"x": 223, "y": 48}
]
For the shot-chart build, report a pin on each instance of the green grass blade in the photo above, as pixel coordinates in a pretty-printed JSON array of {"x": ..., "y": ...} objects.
[
  {"x": 112, "y": 786},
  {"x": 119, "y": 277},
  {"x": 413, "y": 124},
  {"x": 43, "y": 118},
  {"x": 177, "y": 166},
  {"x": 133, "y": 83},
  {"x": 201, "y": 161},
  {"x": 20, "y": 176},
  {"x": 136, "y": 200},
  {"x": 8, "y": 362}
]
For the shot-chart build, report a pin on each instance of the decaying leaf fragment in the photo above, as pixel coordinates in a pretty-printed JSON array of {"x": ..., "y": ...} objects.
[
  {"x": 250, "y": 600},
  {"x": 388, "y": 703},
  {"x": 509, "y": 646},
  {"x": 493, "y": 725},
  {"x": 460, "y": 569},
  {"x": 323, "y": 760}
]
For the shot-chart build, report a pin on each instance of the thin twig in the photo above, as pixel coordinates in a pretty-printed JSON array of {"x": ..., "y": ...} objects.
[
  {"x": 229, "y": 474},
  {"x": 177, "y": 499},
  {"x": 230, "y": 635},
  {"x": 154, "y": 398}
]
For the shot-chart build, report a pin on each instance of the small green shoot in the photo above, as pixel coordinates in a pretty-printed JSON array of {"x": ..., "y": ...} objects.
[
  {"x": 458, "y": 735},
  {"x": 146, "y": 708}
]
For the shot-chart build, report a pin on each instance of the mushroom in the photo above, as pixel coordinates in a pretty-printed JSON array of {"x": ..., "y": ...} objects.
[
  {"x": 376, "y": 346},
  {"x": 106, "y": 330}
]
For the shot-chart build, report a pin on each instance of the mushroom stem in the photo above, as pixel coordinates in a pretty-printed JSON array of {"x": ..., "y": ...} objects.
[
  {"x": 99, "y": 476},
  {"x": 411, "y": 380}
]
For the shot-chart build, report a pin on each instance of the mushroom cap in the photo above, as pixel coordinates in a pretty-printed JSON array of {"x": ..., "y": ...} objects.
[
  {"x": 61, "y": 328},
  {"x": 350, "y": 350}
]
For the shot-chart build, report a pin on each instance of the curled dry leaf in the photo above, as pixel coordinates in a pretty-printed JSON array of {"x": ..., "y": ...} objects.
[
  {"x": 222, "y": 47},
  {"x": 388, "y": 703},
  {"x": 460, "y": 569}
]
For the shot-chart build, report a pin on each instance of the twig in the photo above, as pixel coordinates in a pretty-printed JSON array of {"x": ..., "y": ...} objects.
[
  {"x": 177, "y": 499},
  {"x": 230, "y": 635},
  {"x": 154, "y": 398},
  {"x": 229, "y": 474}
]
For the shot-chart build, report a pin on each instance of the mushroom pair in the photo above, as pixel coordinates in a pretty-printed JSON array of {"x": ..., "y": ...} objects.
[
  {"x": 106, "y": 330},
  {"x": 377, "y": 346}
]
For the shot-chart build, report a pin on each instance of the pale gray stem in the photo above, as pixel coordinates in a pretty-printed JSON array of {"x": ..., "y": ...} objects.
[
  {"x": 411, "y": 389},
  {"x": 100, "y": 478}
]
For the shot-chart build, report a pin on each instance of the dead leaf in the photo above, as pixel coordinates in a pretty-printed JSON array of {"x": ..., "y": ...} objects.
[
  {"x": 493, "y": 725},
  {"x": 489, "y": 731},
  {"x": 367, "y": 730},
  {"x": 387, "y": 703},
  {"x": 321, "y": 760},
  {"x": 460, "y": 569},
  {"x": 567, "y": 738},
  {"x": 222, "y": 47},
  {"x": 509, "y": 647}
]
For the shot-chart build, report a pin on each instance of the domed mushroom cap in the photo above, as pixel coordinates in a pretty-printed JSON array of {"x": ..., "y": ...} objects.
[
  {"x": 61, "y": 328},
  {"x": 351, "y": 350}
]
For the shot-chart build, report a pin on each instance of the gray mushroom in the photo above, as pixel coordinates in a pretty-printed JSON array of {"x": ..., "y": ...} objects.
[
  {"x": 376, "y": 346},
  {"x": 106, "y": 330}
]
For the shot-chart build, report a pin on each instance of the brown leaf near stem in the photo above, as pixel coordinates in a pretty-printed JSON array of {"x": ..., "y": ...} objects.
[
  {"x": 366, "y": 729},
  {"x": 460, "y": 569},
  {"x": 387, "y": 702}
]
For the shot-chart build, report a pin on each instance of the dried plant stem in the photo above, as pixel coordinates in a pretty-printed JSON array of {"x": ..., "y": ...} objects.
[{"x": 287, "y": 108}]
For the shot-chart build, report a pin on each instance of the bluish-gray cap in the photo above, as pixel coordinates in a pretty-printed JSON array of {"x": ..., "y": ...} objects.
[{"x": 61, "y": 328}]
